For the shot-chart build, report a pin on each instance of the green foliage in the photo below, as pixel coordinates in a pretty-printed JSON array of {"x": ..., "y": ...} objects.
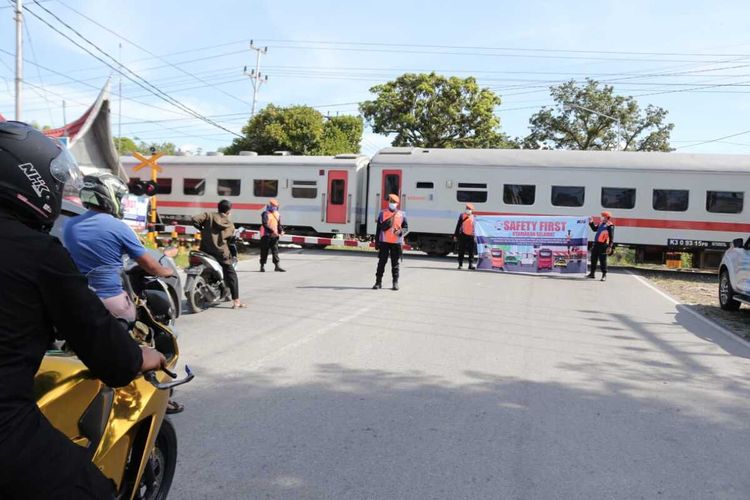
[
  {"x": 302, "y": 130},
  {"x": 125, "y": 145},
  {"x": 567, "y": 125},
  {"x": 432, "y": 111}
]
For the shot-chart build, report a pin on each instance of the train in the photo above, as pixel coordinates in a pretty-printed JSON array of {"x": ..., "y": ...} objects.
[{"x": 692, "y": 202}]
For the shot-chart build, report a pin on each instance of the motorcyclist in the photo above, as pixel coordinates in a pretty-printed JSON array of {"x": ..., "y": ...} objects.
[
  {"x": 43, "y": 296},
  {"x": 217, "y": 230},
  {"x": 98, "y": 239}
]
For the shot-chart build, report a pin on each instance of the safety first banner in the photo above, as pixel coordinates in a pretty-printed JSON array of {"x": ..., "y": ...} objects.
[
  {"x": 532, "y": 244},
  {"x": 135, "y": 211}
]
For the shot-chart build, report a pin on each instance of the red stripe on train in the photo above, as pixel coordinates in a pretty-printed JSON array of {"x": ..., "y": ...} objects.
[
  {"x": 203, "y": 204},
  {"x": 730, "y": 227}
]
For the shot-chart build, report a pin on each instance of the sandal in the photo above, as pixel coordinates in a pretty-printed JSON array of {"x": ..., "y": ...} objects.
[
  {"x": 239, "y": 306},
  {"x": 174, "y": 407}
]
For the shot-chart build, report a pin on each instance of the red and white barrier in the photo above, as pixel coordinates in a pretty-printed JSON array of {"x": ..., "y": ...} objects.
[{"x": 254, "y": 235}]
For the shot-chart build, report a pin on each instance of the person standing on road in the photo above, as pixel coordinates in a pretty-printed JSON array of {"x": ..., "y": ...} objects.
[
  {"x": 603, "y": 243},
  {"x": 270, "y": 230},
  {"x": 389, "y": 236},
  {"x": 464, "y": 234},
  {"x": 216, "y": 231}
]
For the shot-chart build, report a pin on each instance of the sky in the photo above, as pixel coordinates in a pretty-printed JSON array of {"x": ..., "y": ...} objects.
[{"x": 690, "y": 57}]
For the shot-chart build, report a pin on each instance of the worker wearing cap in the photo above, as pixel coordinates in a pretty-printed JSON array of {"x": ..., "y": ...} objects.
[
  {"x": 464, "y": 234},
  {"x": 270, "y": 230},
  {"x": 389, "y": 236},
  {"x": 603, "y": 243}
]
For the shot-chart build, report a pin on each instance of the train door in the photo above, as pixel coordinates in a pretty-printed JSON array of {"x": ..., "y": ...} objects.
[
  {"x": 391, "y": 184},
  {"x": 336, "y": 207}
]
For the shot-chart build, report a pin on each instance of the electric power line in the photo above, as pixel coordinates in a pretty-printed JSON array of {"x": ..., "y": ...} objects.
[{"x": 156, "y": 91}]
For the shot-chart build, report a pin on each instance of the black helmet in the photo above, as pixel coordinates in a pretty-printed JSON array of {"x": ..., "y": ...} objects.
[
  {"x": 33, "y": 172},
  {"x": 104, "y": 191}
]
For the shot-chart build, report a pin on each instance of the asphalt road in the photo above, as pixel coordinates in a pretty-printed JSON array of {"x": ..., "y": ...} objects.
[{"x": 461, "y": 385}]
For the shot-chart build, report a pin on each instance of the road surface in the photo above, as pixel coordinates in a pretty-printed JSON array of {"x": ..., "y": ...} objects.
[{"x": 461, "y": 385}]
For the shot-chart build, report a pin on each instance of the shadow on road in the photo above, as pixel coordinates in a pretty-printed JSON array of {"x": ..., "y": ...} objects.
[{"x": 373, "y": 433}]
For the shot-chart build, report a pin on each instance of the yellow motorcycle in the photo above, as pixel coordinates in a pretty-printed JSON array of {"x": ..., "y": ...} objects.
[{"x": 125, "y": 429}]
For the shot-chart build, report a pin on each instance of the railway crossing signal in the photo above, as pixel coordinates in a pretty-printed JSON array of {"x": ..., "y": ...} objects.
[{"x": 150, "y": 187}]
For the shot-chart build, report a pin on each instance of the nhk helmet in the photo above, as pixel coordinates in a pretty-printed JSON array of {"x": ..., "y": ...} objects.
[
  {"x": 33, "y": 172},
  {"x": 104, "y": 191}
]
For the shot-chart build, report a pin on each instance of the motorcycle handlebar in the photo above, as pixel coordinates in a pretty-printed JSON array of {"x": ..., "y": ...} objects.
[{"x": 150, "y": 376}]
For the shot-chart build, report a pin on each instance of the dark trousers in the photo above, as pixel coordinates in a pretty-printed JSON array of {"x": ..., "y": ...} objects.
[
  {"x": 392, "y": 250},
  {"x": 599, "y": 253},
  {"x": 465, "y": 243},
  {"x": 230, "y": 279},
  {"x": 38, "y": 461},
  {"x": 272, "y": 243}
]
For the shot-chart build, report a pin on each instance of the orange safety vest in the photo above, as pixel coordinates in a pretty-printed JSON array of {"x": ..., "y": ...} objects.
[
  {"x": 273, "y": 223},
  {"x": 604, "y": 235},
  {"x": 467, "y": 226},
  {"x": 393, "y": 233}
]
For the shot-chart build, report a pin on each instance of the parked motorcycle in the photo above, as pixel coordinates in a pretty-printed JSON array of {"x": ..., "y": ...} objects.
[
  {"x": 162, "y": 295},
  {"x": 125, "y": 429},
  {"x": 204, "y": 285}
]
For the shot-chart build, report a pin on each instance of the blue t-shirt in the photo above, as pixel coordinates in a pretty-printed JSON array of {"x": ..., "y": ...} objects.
[{"x": 97, "y": 242}]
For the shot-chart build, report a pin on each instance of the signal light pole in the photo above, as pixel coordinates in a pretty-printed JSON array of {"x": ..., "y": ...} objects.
[{"x": 19, "y": 58}]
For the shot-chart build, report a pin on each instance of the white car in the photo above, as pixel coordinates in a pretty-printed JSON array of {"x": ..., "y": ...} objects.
[{"x": 734, "y": 276}]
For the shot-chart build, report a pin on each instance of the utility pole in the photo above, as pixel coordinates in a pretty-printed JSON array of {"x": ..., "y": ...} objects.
[
  {"x": 119, "y": 106},
  {"x": 19, "y": 57},
  {"x": 255, "y": 75}
]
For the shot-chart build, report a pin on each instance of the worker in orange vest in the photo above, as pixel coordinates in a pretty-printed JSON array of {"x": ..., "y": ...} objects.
[
  {"x": 270, "y": 230},
  {"x": 464, "y": 233},
  {"x": 389, "y": 236},
  {"x": 603, "y": 243}
]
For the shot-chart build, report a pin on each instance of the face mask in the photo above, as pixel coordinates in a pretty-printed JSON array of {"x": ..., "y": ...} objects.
[
  {"x": 468, "y": 212},
  {"x": 271, "y": 208},
  {"x": 392, "y": 206}
]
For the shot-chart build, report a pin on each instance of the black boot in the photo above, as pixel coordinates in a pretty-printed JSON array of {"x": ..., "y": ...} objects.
[
  {"x": 263, "y": 268},
  {"x": 278, "y": 269},
  {"x": 590, "y": 275},
  {"x": 378, "y": 285},
  {"x": 395, "y": 285},
  {"x": 471, "y": 266}
]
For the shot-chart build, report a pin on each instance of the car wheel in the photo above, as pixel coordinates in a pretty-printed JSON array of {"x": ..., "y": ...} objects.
[{"x": 725, "y": 293}]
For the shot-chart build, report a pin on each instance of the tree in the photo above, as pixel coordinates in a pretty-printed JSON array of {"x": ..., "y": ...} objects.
[
  {"x": 569, "y": 125},
  {"x": 432, "y": 111},
  {"x": 125, "y": 145},
  {"x": 168, "y": 148},
  {"x": 302, "y": 130}
]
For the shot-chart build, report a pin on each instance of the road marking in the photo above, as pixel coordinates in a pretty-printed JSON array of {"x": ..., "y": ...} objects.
[
  {"x": 715, "y": 325},
  {"x": 309, "y": 337}
]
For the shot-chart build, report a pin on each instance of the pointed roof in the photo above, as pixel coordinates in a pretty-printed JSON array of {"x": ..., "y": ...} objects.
[{"x": 90, "y": 138}]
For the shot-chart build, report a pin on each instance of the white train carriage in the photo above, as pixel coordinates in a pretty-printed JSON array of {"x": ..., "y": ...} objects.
[
  {"x": 657, "y": 199},
  {"x": 318, "y": 194}
]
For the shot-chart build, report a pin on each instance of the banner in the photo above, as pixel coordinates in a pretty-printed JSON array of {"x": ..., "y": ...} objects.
[
  {"x": 532, "y": 244},
  {"x": 135, "y": 211}
]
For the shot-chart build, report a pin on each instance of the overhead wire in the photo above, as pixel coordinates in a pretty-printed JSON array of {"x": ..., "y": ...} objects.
[{"x": 135, "y": 77}]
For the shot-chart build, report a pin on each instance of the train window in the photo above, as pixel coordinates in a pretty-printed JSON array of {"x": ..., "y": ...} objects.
[
  {"x": 194, "y": 186},
  {"x": 391, "y": 185},
  {"x": 671, "y": 200},
  {"x": 425, "y": 185},
  {"x": 519, "y": 194},
  {"x": 471, "y": 196},
  {"x": 304, "y": 189},
  {"x": 724, "y": 202},
  {"x": 228, "y": 187},
  {"x": 338, "y": 192},
  {"x": 618, "y": 197},
  {"x": 471, "y": 185},
  {"x": 164, "y": 185},
  {"x": 264, "y": 188},
  {"x": 568, "y": 196}
]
